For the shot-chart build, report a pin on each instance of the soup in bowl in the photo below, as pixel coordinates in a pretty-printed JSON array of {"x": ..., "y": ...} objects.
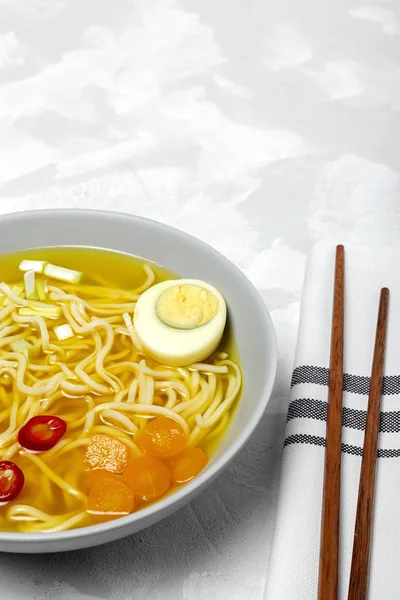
[{"x": 121, "y": 380}]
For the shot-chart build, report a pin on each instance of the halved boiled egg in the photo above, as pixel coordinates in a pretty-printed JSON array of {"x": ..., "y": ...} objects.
[{"x": 180, "y": 321}]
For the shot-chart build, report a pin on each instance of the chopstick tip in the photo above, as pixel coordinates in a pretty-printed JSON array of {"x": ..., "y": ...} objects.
[{"x": 384, "y": 292}]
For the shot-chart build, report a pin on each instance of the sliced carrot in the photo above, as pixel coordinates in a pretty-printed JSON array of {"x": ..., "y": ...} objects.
[
  {"x": 149, "y": 478},
  {"x": 111, "y": 497},
  {"x": 105, "y": 452},
  {"x": 92, "y": 478},
  {"x": 188, "y": 464},
  {"x": 162, "y": 437}
]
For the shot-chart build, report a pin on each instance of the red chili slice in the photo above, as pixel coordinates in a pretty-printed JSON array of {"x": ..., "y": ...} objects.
[
  {"x": 11, "y": 481},
  {"x": 41, "y": 433}
]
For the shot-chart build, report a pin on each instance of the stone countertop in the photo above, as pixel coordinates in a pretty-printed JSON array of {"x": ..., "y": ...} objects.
[{"x": 259, "y": 127}]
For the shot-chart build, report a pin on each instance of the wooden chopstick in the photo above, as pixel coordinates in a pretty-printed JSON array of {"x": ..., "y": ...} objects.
[
  {"x": 329, "y": 553},
  {"x": 362, "y": 532}
]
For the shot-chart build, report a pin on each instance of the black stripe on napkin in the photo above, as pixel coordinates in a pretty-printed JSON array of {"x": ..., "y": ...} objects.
[
  {"x": 356, "y": 384},
  {"x": 314, "y": 440},
  {"x": 308, "y": 408}
]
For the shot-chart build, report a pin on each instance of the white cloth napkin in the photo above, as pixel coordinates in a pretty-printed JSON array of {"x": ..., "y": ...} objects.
[{"x": 293, "y": 573}]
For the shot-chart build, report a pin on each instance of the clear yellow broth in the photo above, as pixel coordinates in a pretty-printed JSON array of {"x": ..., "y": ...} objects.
[{"x": 112, "y": 270}]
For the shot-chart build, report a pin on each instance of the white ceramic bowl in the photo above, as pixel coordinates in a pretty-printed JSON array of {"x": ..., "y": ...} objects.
[{"x": 188, "y": 257}]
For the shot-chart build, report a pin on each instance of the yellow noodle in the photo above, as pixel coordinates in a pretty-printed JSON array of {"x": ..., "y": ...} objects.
[
  {"x": 132, "y": 391},
  {"x": 71, "y": 445},
  {"x": 66, "y": 370},
  {"x": 89, "y": 422},
  {"x": 98, "y": 292},
  {"x": 219, "y": 428},
  {"x": 115, "y": 419},
  {"x": 177, "y": 385},
  {"x": 12, "y": 338},
  {"x": 19, "y": 512},
  {"x": 205, "y": 397},
  {"x": 10, "y": 329},
  {"x": 9, "y": 453},
  {"x": 210, "y": 421},
  {"x": 99, "y": 382},
  {"x": 150, "y": 277},
  {"x": 57, "y": 349},
  {"x": 99, "y": 279},
  {"x": 197, "y": 432},
  {"x": 4, "y": 312},
  {"x": 143, "y": 410},
  {"x": 66, "y": 523},
  {"x": 172, "y": 397},
  {"x": 121, "y": 395},
  {"x": 125, "y": 366},
  {"x": 142, "y": 387},
  {"x": 5, "y": 324},
  {"x": 73, "y": 388},
  {"x": 11, "y": 429},
  {"x": 17, "y": 300},
  {"x": 196, "y": 401},
  {"x": 77, "y": 315},
  {"x": 45, "y": 403},
  {"x": 25, "y": 408},
  {"x": 131, "y": 331},
  {"x": 5, "y": 414},
  {"x": 115, "y": 358},
  {"x": 101, "y": 354},
  {"x": 43, "y": 368},
  {"x": 18, "y": 375},
  {"x": 149, "y": 390},
  {"x": 221, "y": 369},
  {"x": 56, "y": 479},
  {"x": 46, "y": 488},
  {"x": 44, "y": 333},
  {"x": 121, "y": 435},
  {"x": 4, "y": 396},
  {"x": 56, "y": 449},
  {"x": 194, "y": 382},
  {"x": 59, "y": 296}
]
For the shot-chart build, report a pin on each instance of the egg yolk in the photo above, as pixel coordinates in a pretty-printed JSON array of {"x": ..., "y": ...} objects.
[{"x": 186, "y": 306}]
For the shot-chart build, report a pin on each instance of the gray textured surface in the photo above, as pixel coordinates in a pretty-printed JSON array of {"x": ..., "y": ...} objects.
[{"x": 280, "y": 118}]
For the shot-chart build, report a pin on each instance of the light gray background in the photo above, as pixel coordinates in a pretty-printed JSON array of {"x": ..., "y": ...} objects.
[{"x": 257, "y": 126}]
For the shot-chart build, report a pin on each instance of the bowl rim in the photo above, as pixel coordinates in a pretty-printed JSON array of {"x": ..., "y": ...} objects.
[{"x": 214, "y": 468}]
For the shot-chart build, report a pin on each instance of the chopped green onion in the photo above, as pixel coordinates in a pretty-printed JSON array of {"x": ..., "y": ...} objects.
[
  {"x": 29, "y": 280},
  {"x": 63, "y": 274},
  {"x": 40, "y": 290},
  {"x": 32, "y": 265},
  {"x": 24, "y": 347},
  {"x": 63, "y": 332},
  {"x": 18, "y": 289},
  {"x": 47, "y": 312}
]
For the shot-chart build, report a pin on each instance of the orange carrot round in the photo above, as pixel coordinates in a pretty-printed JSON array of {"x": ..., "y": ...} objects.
[
  {"x": 149, "y": 478},
  {"x": 111, "y": 497},
  {"x": 92, "y": 478},
  {"x": 188, "y": 464},
  {"x": 162, "y": 437},
  {"x": 106, "y": 452}
]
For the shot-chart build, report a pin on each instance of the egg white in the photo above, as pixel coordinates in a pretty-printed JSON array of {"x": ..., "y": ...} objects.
[{"x": 177, "y": 347}]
